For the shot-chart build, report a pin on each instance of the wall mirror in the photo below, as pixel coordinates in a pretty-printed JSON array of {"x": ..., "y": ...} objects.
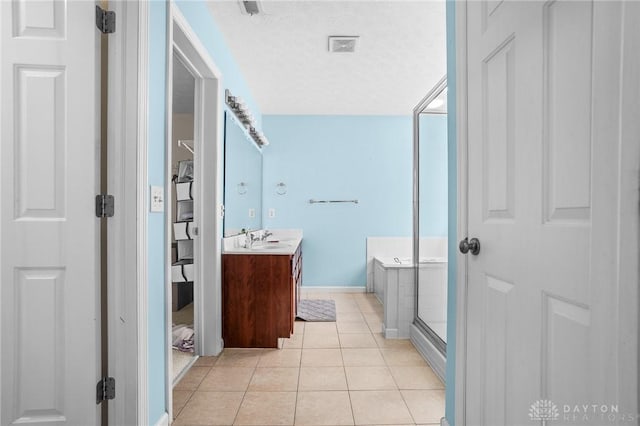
[
  {"x": 242, "y": 180},
  {"x": 431, "y": 214}
]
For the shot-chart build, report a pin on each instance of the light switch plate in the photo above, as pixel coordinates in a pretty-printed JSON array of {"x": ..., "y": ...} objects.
[
  {"x": 272, "y": 213},
  {"x": 157, "y": 199},
  {"x": 252, "y": 213}
]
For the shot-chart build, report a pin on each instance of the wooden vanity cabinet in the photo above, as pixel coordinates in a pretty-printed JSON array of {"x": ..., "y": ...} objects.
[{"x": 259, "y": 298}]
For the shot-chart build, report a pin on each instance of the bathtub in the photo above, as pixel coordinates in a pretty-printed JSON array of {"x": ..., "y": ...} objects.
[{"x": 394, "y": 286}]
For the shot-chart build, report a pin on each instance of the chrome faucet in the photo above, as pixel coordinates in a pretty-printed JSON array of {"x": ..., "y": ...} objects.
[
  {"x": 250, "y": 238},
  {"x": 266, "y": 234}
]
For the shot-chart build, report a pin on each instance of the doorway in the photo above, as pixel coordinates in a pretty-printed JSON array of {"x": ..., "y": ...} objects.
[
  {"x": 182, "y": 219},
  {"x": 196, "y": 162}
]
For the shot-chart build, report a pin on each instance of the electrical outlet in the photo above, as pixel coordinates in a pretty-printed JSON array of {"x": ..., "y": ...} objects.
[
  {"x": 272, "y": 213},
  {"x": 157, "y": 199},
  {"x": 252, "y": 213}
]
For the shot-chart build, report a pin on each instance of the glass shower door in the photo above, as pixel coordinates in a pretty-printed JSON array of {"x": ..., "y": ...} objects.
[{"x": 430, "y": 214}]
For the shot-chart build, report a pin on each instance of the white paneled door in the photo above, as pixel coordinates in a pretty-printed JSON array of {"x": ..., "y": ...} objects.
[
  {"x": 544, "y": 323},
  {"x": 49, "y": 261}
]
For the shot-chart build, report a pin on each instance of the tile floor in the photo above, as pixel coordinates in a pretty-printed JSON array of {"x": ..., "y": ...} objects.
[{"x": 338, "y": 373}]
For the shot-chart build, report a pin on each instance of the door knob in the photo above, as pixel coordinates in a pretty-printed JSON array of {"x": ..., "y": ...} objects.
[{"x": 472, "y": 246}]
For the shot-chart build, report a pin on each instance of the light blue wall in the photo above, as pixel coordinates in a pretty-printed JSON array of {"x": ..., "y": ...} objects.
[
  {"x": 368, "y": 158},
  {"x": 200, "y": 20},
  {"x": 157, "y": 331},
  {"x": 433, "y": 175},
  {"x": 453, "y": 218}
]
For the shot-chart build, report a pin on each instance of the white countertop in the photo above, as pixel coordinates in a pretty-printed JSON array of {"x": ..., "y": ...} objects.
[{"x": 282, "y": 242}]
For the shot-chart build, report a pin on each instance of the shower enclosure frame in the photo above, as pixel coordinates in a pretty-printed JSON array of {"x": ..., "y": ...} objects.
[{"x": 422, "y": 326}]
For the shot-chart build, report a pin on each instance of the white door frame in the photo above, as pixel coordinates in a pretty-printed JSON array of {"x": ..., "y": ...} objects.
[
  {"x": 184, "y": 42},
  {"x": 629, "y": 219},
  {"x": 462, "y": 215},
  {"x": 127, "y": 230}
]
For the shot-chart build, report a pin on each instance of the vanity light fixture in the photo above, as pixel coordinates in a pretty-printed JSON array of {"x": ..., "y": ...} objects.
[{"x": 242, "y": 113}]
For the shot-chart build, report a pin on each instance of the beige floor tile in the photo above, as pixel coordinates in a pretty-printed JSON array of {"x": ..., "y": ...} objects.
[
  {"x": 294, "y": 342},
  {"x": 323, "y": 408},
  {"x": 370, "y": 378},
  {"x": 353, "y": 327},
  {"x": 321, "y": 358},
  {"x": 413, "y": 377},
  {"x": 267, "y": 408},
  {"x": 370, "y": 306},
  {"x": 426, "y": 406},
  {"x": 319, "y": 328},
  {"x": 210, "y": 408},
  {"x": 350, "y": 316},
  {"x": 362, "y": 357},
  {"x": 375, "y": 327},
  {"x": 322, "y": 379},
  {"x": 192, "y": 379},
  {"x": 280, "y": 358},
  {"x": 180, "y": 398},
  {"x": 206, "y": 361},
  {"x": 239, "y": 357},
  {"x": 346, "y": 307},
  {"x": 321, "y": 341},
  {"x": 373, "y": 317},
  {"x": 345, "y": 297},
  {"x": 357, "y": 340},
  {"x": 298, "y": 327},
  {"x": 403, "y": 357},
  {"x": 227, "y": 379},
  {"x": 379, "y": 407},
  {"x": 391, "y": 343},
  {"x": 274, "y": 379}
]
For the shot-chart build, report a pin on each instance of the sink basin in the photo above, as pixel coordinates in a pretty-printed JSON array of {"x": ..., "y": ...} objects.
[{"x": 270, "y": 246}]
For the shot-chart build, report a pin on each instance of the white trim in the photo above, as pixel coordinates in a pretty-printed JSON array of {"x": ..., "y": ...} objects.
[
  {"x": 207, "y": 183},
  {"x": 164, "y": 420},
  {"x": 184, "y": 372},
  {"x": 462, "y": 191},
  {"x": 429, "y": 352},
  {"x": 334, "y": 289},
  {"x": 444, "y": 422},
  {"x": 124, "y": 145},
  {"x": 141, "y": 205},
  {"x": 168, "y": 203}
]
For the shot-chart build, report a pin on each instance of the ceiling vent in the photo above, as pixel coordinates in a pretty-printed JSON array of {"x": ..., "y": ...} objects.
[
  {"x": 250, "y": 7},
  {"x": 342, "y": 44}
]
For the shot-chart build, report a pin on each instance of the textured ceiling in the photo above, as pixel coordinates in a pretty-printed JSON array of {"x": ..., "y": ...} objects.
[{"x": 283, "y": 54}]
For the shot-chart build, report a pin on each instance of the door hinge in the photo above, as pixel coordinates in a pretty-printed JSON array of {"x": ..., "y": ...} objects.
[
  {"x": 105, "y": 20},
  {"x": 105, "y": 205},
  {"x": 105, "y": 389}
]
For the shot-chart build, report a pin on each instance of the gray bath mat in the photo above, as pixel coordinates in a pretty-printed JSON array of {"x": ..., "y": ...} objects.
[{"x": 317, "y": 310}]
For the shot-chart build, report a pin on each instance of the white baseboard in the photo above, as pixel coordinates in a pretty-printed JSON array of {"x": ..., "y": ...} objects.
[
  {"x": 334, "y": 289},
  {"x": 444, "y": 422},
  {"x": 164, "y": 420},
  {"x": 430, "y": 353},
  {"x": 390, "y": 333}
]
